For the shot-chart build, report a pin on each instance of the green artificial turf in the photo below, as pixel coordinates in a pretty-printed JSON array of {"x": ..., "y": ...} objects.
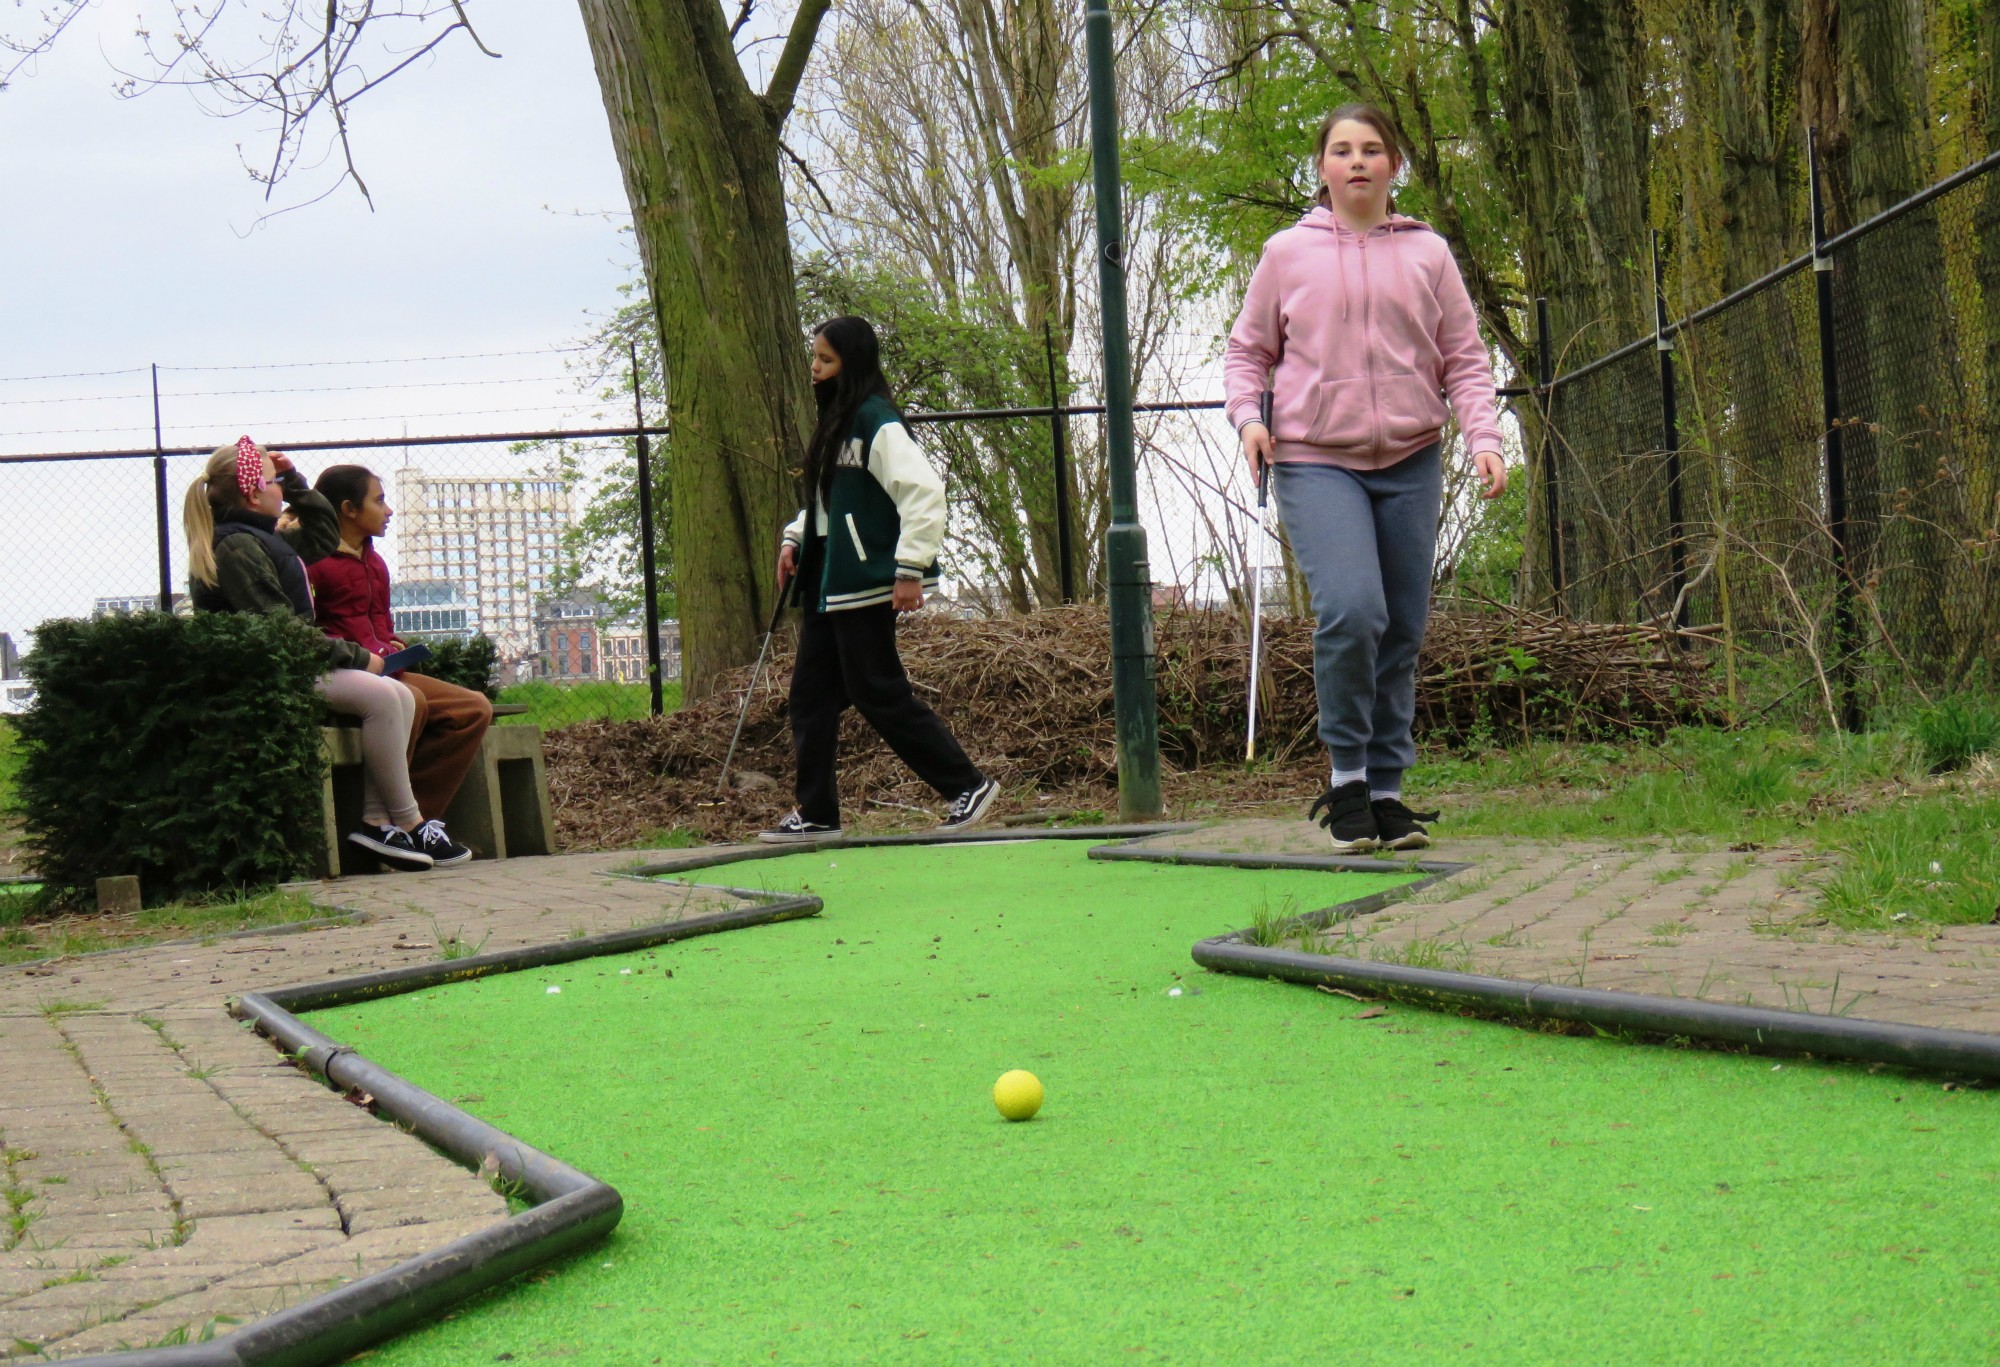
[{"x": 1246, "y": 1172}]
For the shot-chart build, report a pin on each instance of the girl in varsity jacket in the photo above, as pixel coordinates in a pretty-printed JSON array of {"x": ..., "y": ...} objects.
[{"x": 862, "y": 550}]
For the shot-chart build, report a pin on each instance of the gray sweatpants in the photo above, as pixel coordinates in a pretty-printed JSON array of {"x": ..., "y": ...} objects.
[{"x": 1366, "y": 540}]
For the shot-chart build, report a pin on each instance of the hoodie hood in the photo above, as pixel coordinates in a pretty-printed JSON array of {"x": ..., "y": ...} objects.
[{"x": 1325, "y": 220}]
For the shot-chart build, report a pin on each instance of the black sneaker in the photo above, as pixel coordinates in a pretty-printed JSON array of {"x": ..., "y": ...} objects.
[
  {"x": 1349, "y": 819},
  {"x": 796, "y": 830},
  {"x": 1399, "y": 827},
  {"x": 393, "y": 847},
  {"x": 443, "y": 850},
  {"x": 969, "y": 808}
]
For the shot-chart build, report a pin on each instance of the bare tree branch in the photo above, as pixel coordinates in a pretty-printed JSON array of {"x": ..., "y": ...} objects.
[
  {"x": 25, "y": 51},
  {"x": 784, "y": 86}
]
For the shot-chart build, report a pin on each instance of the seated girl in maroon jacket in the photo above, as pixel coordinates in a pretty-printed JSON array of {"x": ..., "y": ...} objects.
[{"x": 351, "y": 601}]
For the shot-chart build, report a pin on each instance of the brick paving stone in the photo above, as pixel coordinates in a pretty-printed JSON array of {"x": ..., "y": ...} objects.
[{"x": 138, "y": 1053}]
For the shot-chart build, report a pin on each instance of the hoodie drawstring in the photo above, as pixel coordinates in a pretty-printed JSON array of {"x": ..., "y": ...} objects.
[{"x": 1340, "y": 256}]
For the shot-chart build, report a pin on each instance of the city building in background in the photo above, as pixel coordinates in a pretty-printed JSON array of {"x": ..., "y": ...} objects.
[
  {"x": 139, "y": 602},
  {"x": 497, "y": 540},
  {"x": 10, "y": 658},
  {"x": 433, "y": 609},
  {"x": 579, "y": 637},
  {"x": 566, "y": 634}
]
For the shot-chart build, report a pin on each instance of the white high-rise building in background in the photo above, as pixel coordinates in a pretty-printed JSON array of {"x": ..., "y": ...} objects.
[{"x": 497, "y": 539}]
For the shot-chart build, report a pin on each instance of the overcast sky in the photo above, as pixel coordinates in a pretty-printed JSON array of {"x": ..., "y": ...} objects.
[{"x": 131, "y": 234}]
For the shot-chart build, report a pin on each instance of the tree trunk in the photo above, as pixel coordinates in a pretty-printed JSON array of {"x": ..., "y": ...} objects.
[
  {"x": 1898, "y": 365},
  {"x": 1581, "y": 130},
  {"x": 1754, "y": 60},
  {"x": 699, "y": 151}
]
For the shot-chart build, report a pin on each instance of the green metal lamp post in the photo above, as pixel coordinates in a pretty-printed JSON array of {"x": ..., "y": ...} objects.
[{"x": 1128, "y": 573}]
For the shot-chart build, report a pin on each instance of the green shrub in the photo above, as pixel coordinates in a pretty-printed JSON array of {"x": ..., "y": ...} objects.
[
  {"x": 185, "y": 750},
  {"x": 1958, "y": 728},
  {"x": 469, "y": 664}
]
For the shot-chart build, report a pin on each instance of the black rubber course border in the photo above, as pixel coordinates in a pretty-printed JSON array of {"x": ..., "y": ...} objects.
[
  {"x": 1964, "y": 1053},
  {"x": 573, "y": 1209}
]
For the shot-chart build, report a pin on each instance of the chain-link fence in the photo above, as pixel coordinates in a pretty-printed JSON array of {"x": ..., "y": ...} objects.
[
  {"x": 511, "y": 547},
  {"x": 1830, "y": 527}
]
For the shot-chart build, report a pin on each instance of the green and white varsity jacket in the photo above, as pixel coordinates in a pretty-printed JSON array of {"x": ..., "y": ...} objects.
[{"x": 883, "y": 519}]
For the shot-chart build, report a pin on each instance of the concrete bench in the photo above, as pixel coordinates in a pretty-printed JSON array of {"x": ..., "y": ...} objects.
[{"x": 501, "y": 810}]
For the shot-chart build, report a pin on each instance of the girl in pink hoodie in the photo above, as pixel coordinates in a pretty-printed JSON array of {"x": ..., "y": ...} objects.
[{"x": 1358, "y": 323}]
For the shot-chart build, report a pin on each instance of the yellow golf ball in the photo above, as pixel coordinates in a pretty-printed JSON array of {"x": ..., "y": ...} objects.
[{"x": 1018, "y": 1094}]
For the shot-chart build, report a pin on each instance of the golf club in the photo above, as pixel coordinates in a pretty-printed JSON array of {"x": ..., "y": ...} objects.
[
  {"x": 1264, "y": 401},
  {"x": 722, "y": 785}
]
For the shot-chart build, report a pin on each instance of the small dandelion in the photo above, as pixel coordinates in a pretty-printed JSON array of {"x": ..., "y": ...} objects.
[
  {"x": 554, "y": 990},
  {"x": 624, "y": 972},
  {"x": 1173, "y": 992},
  {"x": 1936, "y": 867}
]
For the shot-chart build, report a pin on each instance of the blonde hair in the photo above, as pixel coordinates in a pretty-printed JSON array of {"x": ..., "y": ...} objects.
[{"x": 212, "y": 492}]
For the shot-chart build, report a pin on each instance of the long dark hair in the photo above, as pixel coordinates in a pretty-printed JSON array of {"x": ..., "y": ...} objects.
[
  {"x": 344, "y": 484},
  {"x": 840, "y": 398}
]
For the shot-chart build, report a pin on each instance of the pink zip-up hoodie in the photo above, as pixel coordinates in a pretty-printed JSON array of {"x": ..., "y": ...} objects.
[{"x": 1364, "y": 330}]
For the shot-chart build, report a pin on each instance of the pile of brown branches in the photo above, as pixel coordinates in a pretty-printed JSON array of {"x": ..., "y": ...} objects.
[{"x": 1030, "y": 698}]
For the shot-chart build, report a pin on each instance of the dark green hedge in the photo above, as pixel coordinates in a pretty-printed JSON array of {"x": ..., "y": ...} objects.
[
  {"x": 469, "y": 664},
  {"x": 183, "y": 749}
]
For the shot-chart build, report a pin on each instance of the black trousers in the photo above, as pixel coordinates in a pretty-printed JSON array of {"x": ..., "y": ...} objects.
[{"x": 849, "y": 658}]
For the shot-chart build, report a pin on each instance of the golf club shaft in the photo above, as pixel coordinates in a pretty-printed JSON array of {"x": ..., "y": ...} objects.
[
  {"x": 1264, "y": 402},
  {"x": 722, "y": 785}
]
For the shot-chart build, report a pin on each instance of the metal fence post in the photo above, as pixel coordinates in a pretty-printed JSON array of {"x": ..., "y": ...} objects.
[
  {"x": 1836, "y": 464},
  {"x": 160, "y": 504},
  {"x": 1126, "y": 569},
  {"x": 646, "y": 548},
  {"x": 1670, "y": 442},
  {"x": 1065, "y": 566},
  {"x": 1545, "y": 378}
]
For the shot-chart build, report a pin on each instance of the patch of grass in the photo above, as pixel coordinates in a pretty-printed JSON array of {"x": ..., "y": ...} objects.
[
  {"x": 552, "y": 705},
  {"x": 1927, "y": 860},
  {"x": 1669, "y": 929},
  {"x": 1957, "y": 729},
  {"x": 15, "y": 1194},
  {"x": 25, "y": 934},
  {"x": 10, "y": 764},
  {"x": 1425, "y": 951},
  {"x": 454, "y": 945},
  {"x": 1269, "y": 928}
]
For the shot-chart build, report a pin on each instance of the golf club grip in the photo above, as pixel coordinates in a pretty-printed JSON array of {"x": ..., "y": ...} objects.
[{"x": 1265, "y": 401}]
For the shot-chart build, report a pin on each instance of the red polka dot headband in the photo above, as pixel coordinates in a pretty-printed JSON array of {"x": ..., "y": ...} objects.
[{"x": 249, "y": 468}]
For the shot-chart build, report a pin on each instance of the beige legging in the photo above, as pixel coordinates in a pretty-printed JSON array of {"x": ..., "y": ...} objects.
[{"x": 386, "y": 709}]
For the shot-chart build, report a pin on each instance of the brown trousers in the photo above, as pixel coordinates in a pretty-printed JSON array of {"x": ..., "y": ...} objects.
[{"x": 444, "y": 740}]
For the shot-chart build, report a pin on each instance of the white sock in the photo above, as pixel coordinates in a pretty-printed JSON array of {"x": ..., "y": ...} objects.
[
  {"x": 1385, "y": 794},
  {"x": 1341, "y": 776}
]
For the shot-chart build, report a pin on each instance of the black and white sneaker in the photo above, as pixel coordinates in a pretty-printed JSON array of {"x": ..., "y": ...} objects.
[
  {"x": 969, "y": 808},
  {"x": 1398, "y": 827},
  {"x": 443, "y": 850},
  {"x": 1349, "y": 819},
  {"x": 393, "y": 847},
  {"x": 796, "y": 830}
]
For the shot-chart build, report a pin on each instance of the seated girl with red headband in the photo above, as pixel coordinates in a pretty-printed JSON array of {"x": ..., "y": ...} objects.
[{"x": 240, "y": 560}]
